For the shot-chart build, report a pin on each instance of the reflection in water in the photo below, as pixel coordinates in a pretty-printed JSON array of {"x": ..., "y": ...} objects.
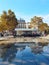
[
  {"x": 46, "y": 49},
  {"x": 16, "y": 55},
  {"x": 8, "y": 54}
]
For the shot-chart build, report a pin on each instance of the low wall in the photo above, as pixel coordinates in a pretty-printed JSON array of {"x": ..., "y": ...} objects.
[{"x": 9, "y": 40}]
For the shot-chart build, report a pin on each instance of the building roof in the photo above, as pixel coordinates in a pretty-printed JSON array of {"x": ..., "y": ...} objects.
[
  {"x": 25, "y": 29},
  {"x": 21, "y": 21}
]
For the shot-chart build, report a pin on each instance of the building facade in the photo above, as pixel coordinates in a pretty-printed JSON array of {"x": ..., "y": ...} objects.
[{"x": 21, "y": 23}]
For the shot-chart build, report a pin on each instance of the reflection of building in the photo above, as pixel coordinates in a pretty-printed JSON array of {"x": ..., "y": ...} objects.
[{"x": 21, "y": 23}]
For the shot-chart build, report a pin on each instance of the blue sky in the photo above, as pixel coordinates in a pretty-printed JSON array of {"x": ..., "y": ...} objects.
[{"x": 26, "y": 9}]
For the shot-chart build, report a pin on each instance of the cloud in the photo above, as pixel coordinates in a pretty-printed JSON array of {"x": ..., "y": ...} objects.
[
  {"x": 27, "y": 18},
  {"x": 23, "y": 16},
  {"x": 46, "y": 18}
]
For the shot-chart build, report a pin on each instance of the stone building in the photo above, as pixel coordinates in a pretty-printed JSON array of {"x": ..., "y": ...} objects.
[{"x": 21, "y": 23}]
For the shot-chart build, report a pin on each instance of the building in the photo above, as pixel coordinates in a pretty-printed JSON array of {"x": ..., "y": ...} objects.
[
  {"x": 21, "y": 23},
  {"x": 32, "y": 26},
  {"x": 23, "y": 27}
]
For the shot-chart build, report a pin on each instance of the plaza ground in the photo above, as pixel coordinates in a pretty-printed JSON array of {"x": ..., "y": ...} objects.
[{"x": 11, "y": 39}]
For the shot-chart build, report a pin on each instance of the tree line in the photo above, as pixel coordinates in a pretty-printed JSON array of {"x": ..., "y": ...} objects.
[
  {"x": 8, "y": 21},
  {"x": 38, "y": 21}
]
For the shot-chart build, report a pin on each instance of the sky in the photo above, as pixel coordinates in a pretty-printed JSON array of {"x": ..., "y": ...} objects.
[{"x": 27, "y": 9}]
